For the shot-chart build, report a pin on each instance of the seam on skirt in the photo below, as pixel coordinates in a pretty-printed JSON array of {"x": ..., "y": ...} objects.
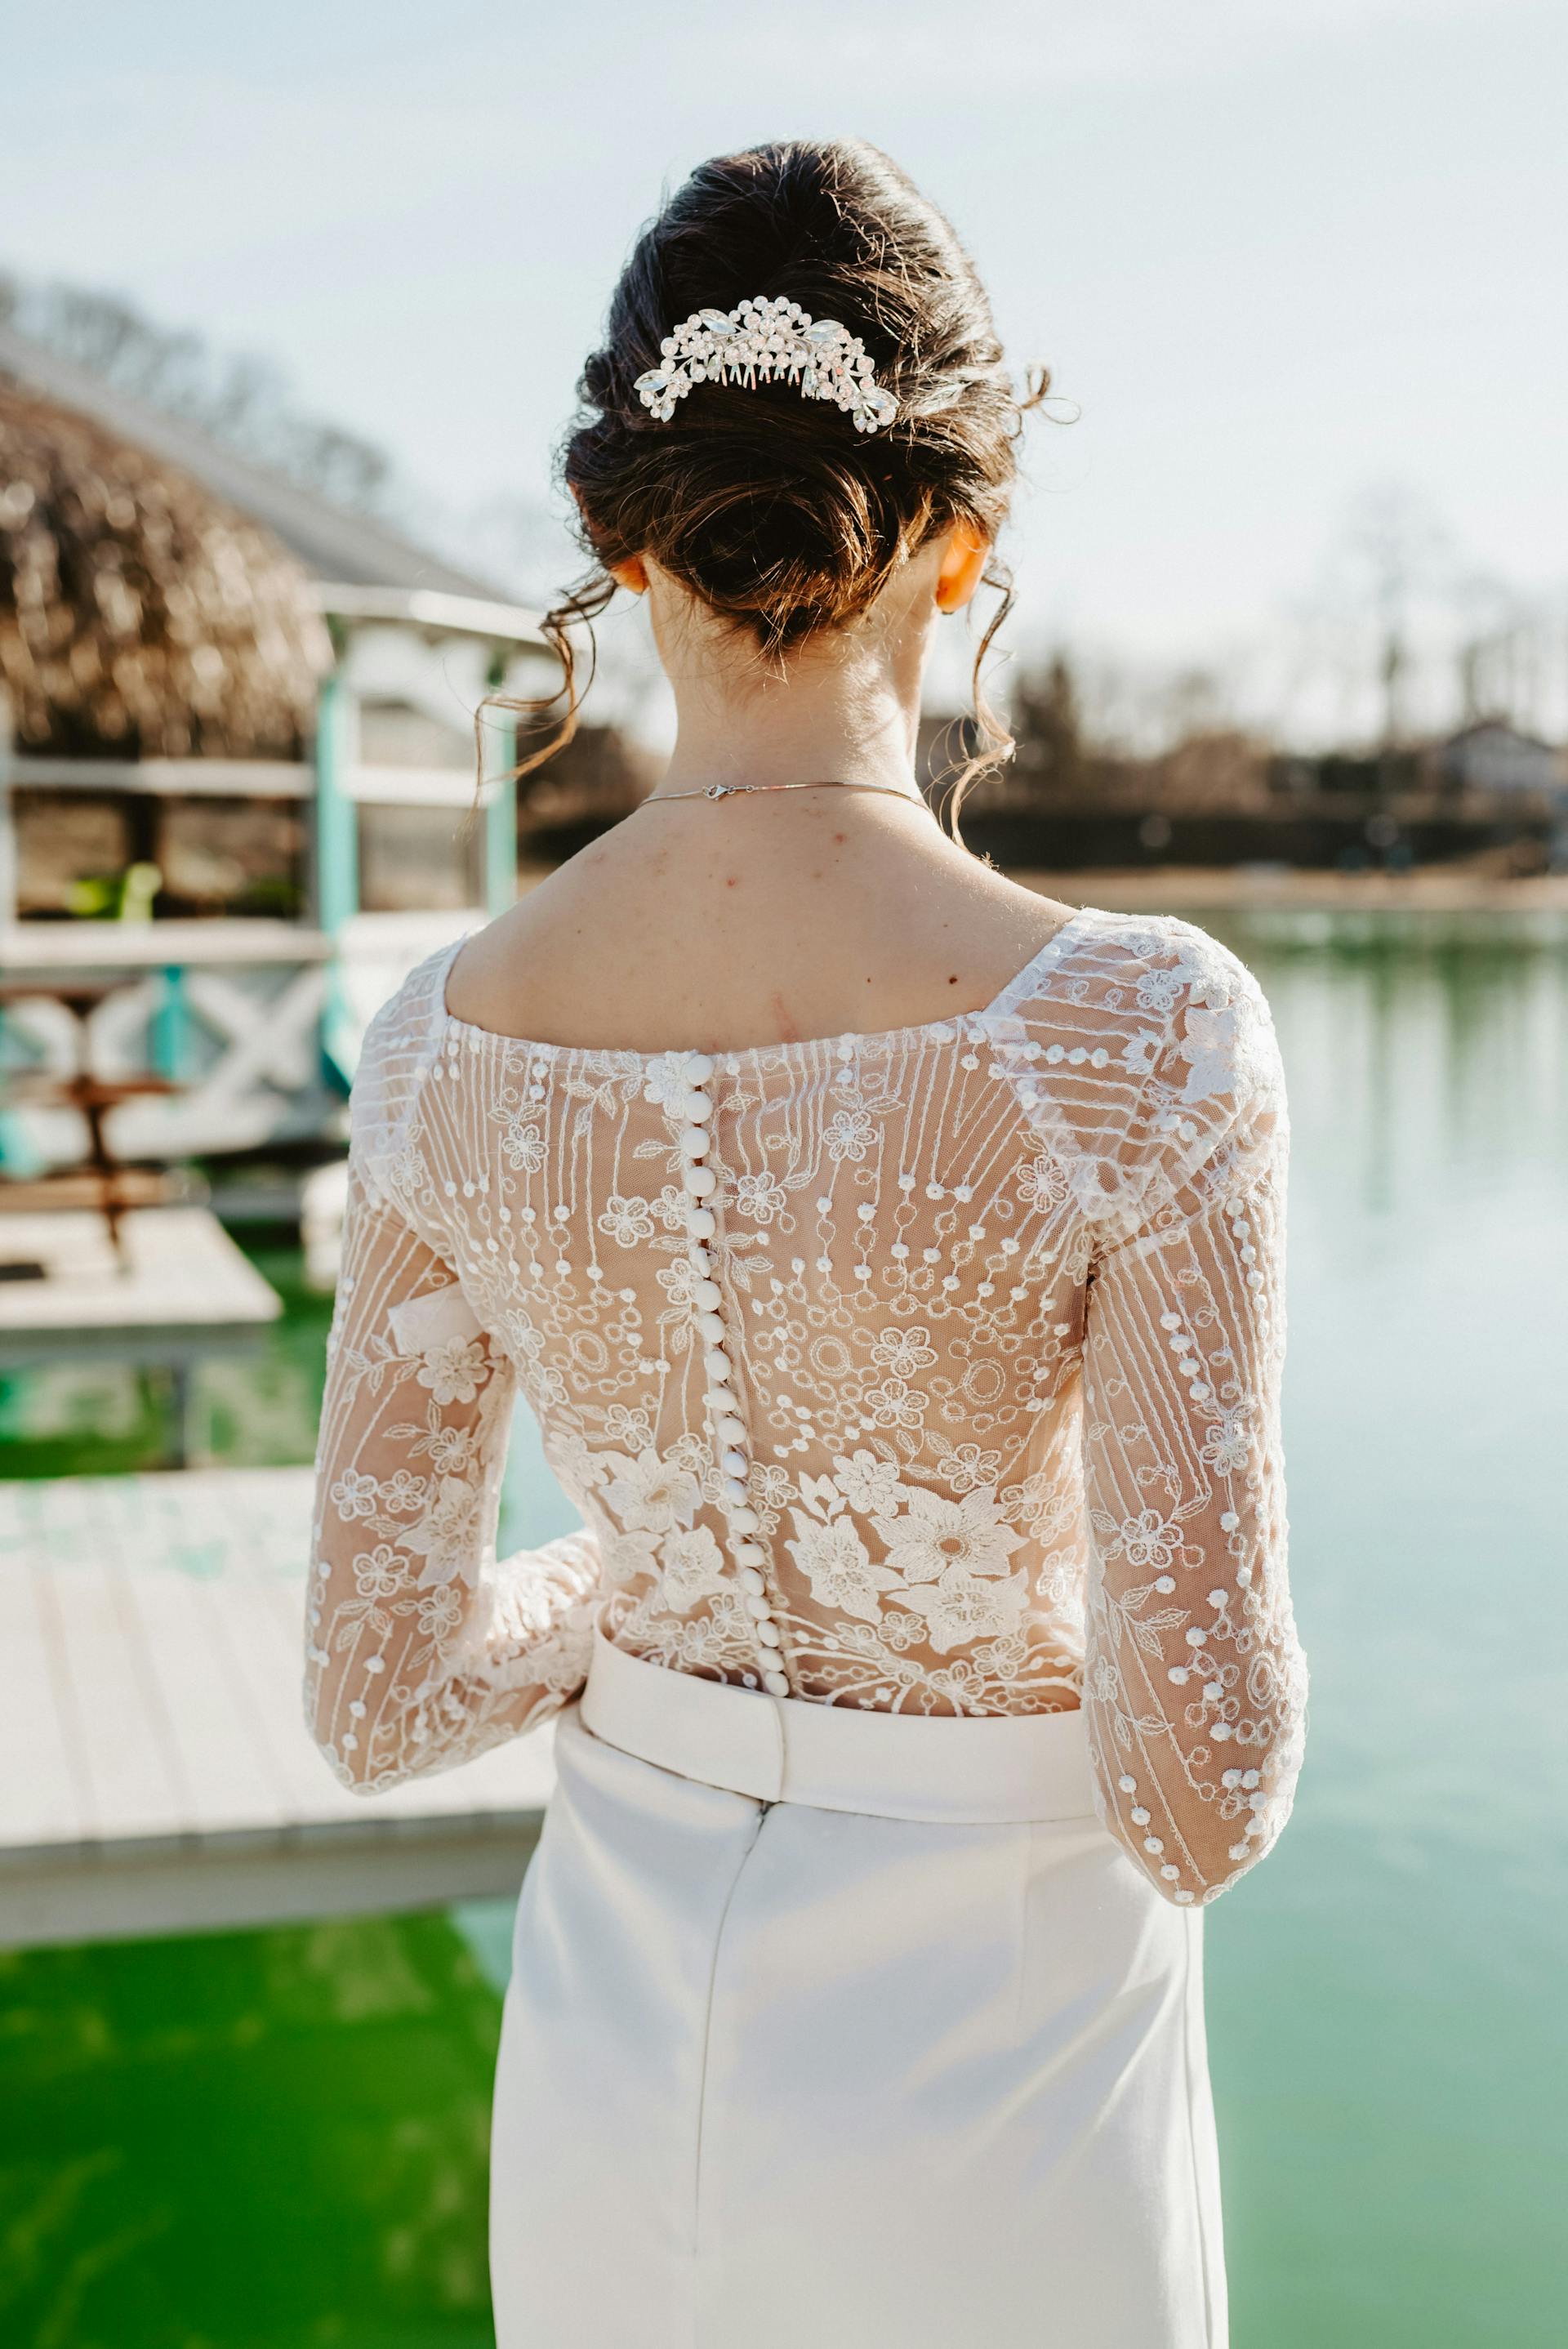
[
  {"x": 1025, "y": 1885},
  {"x": 1193, "y": 1923},
  {"x": 702, "y": 2080}
]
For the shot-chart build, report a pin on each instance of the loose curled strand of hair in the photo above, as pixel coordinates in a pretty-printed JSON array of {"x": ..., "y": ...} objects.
[
  {"x": 996, "y": 744},
  {"x": 578, "y": 608}
]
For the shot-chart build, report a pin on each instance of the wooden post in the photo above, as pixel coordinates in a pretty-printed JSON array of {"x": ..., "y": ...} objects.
[
  {"x": 8, "y": 872},
  {"x": 336, "y": 860},
  {"x": 170, "y": 1025},
  {"x": 500, "y": 813},
  {"x": 7, "y": 898},
  {"x": 336, "y": 815}
]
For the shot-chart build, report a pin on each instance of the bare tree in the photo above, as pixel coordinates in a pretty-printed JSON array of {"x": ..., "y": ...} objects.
[
  {"x": 241, "y": 400},
  {"x": 1401, "y": 548}
]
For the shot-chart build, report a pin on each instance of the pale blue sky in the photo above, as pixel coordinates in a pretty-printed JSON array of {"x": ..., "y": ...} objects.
[{"x": 1277, "y": 249}]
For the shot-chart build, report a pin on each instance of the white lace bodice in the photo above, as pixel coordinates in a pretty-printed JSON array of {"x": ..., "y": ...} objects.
[{"x": 936, "y": 1370}]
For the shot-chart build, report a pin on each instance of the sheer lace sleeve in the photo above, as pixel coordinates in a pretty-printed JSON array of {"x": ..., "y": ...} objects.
[
  {"x": 422, "y": 1650},
  {"x": 1194, "y": 1684}
]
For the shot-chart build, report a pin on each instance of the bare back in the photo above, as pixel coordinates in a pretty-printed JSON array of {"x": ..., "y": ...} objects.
[{"x": 755, "y": 920}]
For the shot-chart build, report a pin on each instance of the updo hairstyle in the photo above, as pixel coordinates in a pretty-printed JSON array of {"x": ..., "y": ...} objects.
[{"x": 772, "y": 508}]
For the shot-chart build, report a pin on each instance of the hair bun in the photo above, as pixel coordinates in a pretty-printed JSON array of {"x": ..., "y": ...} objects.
[{"x": 773, "y": 509}]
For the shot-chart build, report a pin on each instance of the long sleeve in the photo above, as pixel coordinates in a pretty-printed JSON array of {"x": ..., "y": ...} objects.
[
  {"x": 422, "y": 1650},
  {"x": 1194, "y": 1686}
]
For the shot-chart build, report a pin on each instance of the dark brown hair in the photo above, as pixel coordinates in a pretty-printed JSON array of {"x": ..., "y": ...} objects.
[{"x": 772, "y": 508}]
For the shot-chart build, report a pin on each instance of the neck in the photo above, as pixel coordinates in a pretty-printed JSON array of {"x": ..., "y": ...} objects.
[{"x": 842, "y": 713}]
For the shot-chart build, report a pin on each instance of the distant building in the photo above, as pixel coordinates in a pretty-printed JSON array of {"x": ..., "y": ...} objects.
[{"x": 1493, "y": 756}]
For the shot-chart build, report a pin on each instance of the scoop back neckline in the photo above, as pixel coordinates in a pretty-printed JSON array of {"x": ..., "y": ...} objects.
[{"x": 1001, "y": 1006}]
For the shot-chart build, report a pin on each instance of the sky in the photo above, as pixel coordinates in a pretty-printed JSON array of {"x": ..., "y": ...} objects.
[{"x": 1290, "y": 260}]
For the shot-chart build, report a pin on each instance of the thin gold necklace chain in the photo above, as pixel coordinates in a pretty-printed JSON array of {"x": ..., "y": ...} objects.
[{"x": 825, "y": 783}]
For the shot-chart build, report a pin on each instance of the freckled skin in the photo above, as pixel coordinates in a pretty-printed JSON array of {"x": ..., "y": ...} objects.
[
  {"x": 859, "y": 910},
  {"x": 649, "y": 946}
]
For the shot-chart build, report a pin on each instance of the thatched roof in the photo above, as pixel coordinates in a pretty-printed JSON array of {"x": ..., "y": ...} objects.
[
  {"x": 336, "y": 546},
  {"x": 139, "y": 616}
]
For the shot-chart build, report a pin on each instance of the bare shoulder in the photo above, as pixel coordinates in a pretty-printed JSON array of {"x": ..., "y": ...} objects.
[
  {"x": 490, "y": 975},
  {"x": 476, "y": 980},
  {"x": 761, "y": 924},
  {"x": 1013, "y": 917}
]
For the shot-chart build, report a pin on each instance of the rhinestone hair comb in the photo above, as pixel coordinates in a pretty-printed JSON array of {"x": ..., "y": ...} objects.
[{"x": 766, "y": 342}]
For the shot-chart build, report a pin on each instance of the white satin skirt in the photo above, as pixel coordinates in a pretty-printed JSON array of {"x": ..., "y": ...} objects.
[{"x": 833, "y": 2030}]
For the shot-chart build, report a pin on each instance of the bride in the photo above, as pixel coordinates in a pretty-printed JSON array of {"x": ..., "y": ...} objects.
[{"x": 893, "y": 1259}]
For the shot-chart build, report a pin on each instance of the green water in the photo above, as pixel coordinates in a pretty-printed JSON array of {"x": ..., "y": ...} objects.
[
  {"x": 1390, "y": 2048},
  {"x": 251, "y": 1409},
  {"x": 278, "y": 2139},
  {"x": 272, "y": 2138}
]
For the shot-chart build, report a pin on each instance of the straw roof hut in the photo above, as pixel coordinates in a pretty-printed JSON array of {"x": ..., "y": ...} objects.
[{"x": 141, "y": 618}]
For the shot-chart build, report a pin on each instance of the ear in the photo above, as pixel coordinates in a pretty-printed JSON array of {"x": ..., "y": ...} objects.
[
  {"x": 631, "y": 575},
  {"x": 963, "y": 560}
]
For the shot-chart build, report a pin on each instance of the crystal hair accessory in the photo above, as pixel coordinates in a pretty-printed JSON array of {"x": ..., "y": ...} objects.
[{"x": 768, "y": 341}]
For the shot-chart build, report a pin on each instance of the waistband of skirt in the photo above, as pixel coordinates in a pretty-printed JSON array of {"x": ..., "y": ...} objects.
[{"x": 1010, "y": 1770}]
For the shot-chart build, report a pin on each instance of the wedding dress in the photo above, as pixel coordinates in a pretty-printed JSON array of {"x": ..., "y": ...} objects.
[{"x": 925, "y": 1661}]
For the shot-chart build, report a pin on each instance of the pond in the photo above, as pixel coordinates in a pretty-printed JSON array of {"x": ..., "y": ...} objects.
[{"x": 278, "y": 2137}]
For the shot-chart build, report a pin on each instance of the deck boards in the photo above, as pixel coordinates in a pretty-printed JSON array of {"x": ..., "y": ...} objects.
[
  {"x": 40, "y": 1767},
  {"x": 155, "y": 1772}
]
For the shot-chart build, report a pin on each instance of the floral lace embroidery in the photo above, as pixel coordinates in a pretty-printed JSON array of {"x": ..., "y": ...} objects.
[{"x": 1002, "y": 1305}]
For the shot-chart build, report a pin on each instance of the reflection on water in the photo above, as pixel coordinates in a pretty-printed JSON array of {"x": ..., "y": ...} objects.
[
  {"x": 1388, "y": 2030},
  {"x": 279, "y": 2137},
  {"x": 256, "y": 1409},
  {"x": 250, "y": 2138}
]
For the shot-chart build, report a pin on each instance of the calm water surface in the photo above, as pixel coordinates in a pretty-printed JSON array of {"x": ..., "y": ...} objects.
[
  {"x": 1384, "y": 1993},
  {"x": 271, "y": 2138}
]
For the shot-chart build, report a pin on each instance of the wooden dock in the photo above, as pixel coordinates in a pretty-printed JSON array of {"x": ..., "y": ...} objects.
[
  {"x": 156, "y": 1776},
  {"x": 180, "y": 1283}
]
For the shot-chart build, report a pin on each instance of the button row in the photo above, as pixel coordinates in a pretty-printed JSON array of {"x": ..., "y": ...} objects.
[{"x": 726, "y": 1427}]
